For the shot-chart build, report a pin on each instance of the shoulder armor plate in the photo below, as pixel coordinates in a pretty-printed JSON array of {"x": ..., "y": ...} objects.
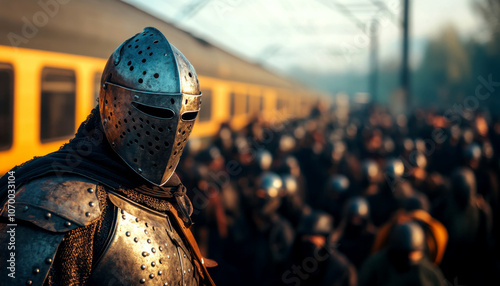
[
  {"x": 28, "y": 255},
  {"x": 57, "y": 204}
]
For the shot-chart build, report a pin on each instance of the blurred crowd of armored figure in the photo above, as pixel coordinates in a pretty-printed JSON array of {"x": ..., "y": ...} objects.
[{"x": 372, "y": 199}]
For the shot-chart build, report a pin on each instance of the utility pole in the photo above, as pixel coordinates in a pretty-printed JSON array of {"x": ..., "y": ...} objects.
[
  {"x": 374, "y": 60},
  {"x": 405, "y": 70}
]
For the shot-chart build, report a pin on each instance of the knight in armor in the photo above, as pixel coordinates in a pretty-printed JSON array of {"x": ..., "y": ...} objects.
[
  {"x": 108, "y": 208},
  {"x": 356, "y": 233},
  {"x": 336, "y": 192},
  {"x": 403, "y": 262},
  {"x": 261, "y": 239},
  {"x": 315, "y": 261},
  {"x": 467, "y": 217}
]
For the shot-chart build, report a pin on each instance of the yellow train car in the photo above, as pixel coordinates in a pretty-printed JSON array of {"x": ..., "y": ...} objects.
[{"x": 49, "y": 84}]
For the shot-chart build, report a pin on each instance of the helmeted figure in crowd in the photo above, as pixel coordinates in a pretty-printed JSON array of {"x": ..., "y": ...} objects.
[
  {"x": 260, "y": 240},
  {"x": 403, "y": 262},
  {"x": 335, "y": 194},
  {"x": 312, "y": 247},
  {"x": 467, "y": 217},
  {"x": 292, "y": 205},
  {"x": 356, "y": 232},
  {"x": 107, "y": 208},
  {"x": 379, "y": 188}
]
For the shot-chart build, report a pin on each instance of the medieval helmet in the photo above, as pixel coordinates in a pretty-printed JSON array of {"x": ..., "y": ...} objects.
[
  {"x": 316, "y": 223},
  {"x": 395, "y": 168},
  {"x": 268, "y": 193},
  {"x": 148, "y": 102},
  {"x": 407, "y": 237},
  {"x": 357, "y": 207}
]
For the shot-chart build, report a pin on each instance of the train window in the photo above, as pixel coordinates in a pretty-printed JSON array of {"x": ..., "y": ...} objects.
[
  {"x": 233, "y": 104},
  {"x": 280, "y": 104},
  {"x": 6, "y": 105},
  {"x": 261, "y": 103},
  {"x": 58, "y": 104},
  {"x": 97, "y": 87},
  {"x": 206, "y": 107},
  {"x": 247, "y": 104}
]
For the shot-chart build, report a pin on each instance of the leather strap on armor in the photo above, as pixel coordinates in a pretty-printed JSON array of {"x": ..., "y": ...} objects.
[{"x": 201, "y": 263}]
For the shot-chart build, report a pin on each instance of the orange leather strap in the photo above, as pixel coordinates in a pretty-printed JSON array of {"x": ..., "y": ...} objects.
[{"x": 200, "y": 262}]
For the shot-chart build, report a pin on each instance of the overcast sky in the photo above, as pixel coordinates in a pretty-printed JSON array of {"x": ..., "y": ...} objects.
[{"x": 314, "y": 34}]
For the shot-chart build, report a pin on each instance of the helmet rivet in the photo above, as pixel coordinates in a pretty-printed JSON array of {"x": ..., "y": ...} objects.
[
  {"x": 104, "y": 86},
  {"x": 139, "y": 170},
  {"x": 136, "y": 96},
  {"x": 105, "y": 121}
]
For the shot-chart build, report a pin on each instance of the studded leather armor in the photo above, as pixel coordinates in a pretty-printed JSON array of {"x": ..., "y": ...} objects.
[{"x": 142, "y": 246}]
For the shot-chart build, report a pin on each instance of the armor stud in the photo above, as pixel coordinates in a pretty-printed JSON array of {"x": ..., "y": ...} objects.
[
  {"x": 48, "y": 215},
  {"x": 36, "y": 270},
  {"x": 48, "y": 260},
  {"x": 153, "y": 250},
  {"x": 67, "y": 224},
  {"x": 142, "y": 281},
  {"x": 153, "y": 264},
  {"x": 136, "y": 239},
  {"x": 29, "y": 282},
  {"x": 90, "y": 190},
  {"x": 160, "y": 272},
  {"x": 149, "y": 240},
  {"x": 151, "y": 276},
  {"x": 144, "y": 253},
  {"x": 143, "y": 267},
  {"x": 127, "y": 233},
  {"x": 26, "y": 208},
  {"x": 91, "y": 204}
]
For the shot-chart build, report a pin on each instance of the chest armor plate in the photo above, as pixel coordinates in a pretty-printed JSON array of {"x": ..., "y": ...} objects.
[{"x": 144, "y": 249}]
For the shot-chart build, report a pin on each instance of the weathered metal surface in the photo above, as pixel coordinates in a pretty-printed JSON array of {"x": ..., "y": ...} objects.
[
  {"x": 57, "y": 204},
  {"x": 145, "y": 105},
  {"x": 34, "y": 254},
  {"x": 144, "y": 249}
]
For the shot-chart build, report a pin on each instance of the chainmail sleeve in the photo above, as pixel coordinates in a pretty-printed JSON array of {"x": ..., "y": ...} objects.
[{"x": 81, "y": 248}]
